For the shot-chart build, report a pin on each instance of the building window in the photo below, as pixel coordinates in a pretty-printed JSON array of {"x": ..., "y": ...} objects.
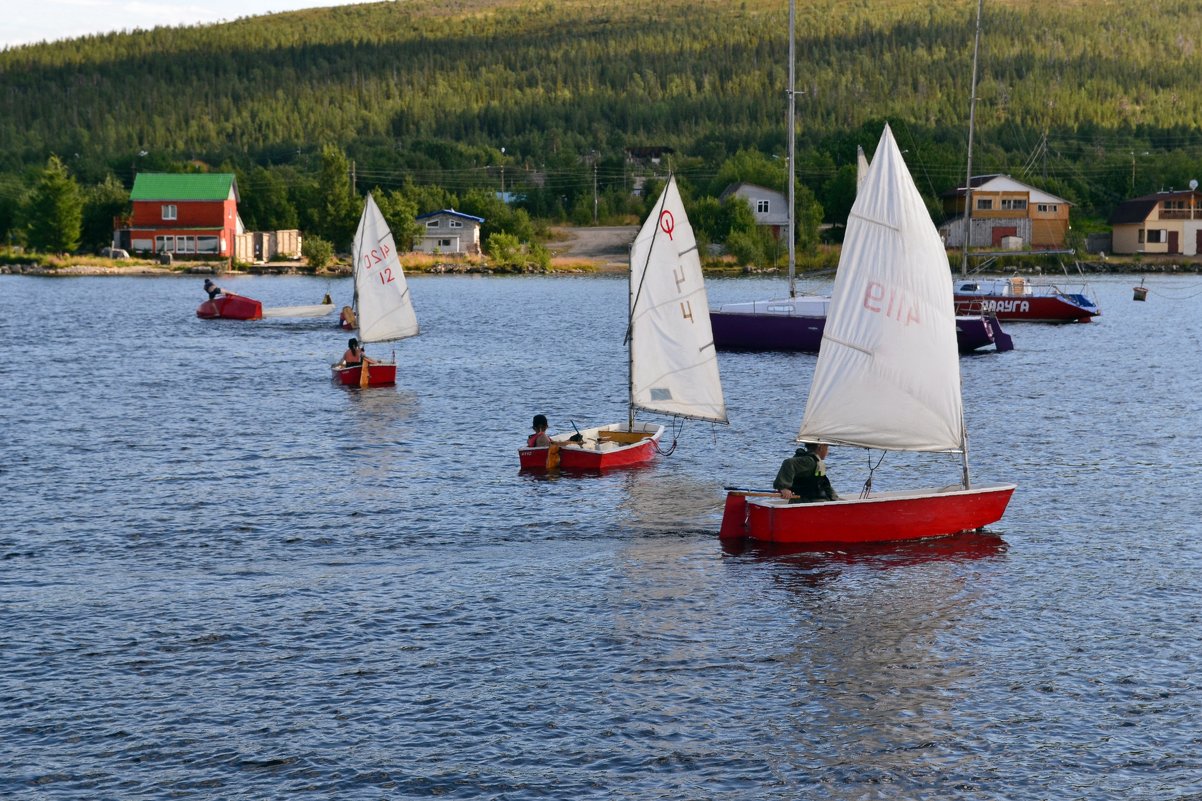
[
  {"x": 454, "y": 224},
  {"x": 431, "y": 223},
  {"x": 207, "y": 244},
  {"x": 1015, "y": 204},
  {"x": 762, "y": 206},
  {"x": 1157, "y": 236},
  {"x": 169, "y": 211},
  {"x": 1048, "y": 207},
  {"x": 164, "y": 244},
  {"x": 444, "y": 243},
  {"x": 984, "y": 204}
]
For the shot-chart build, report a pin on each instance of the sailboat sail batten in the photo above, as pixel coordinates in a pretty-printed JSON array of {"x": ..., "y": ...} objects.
[
  {"x": 674, "y": 367},
  {"x": 893, "y": 381},
  {"x": 385, "y": 309}
]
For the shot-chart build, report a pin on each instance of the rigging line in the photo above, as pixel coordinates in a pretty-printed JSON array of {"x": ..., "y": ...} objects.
[{"x": 650, "y": 249}]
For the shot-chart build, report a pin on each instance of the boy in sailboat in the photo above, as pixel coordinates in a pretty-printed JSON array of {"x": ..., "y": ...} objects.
[
  {"x": 802, "y": 477},
  {"x": 539, "y": 438},
  {"x": 212, "y": 289}
]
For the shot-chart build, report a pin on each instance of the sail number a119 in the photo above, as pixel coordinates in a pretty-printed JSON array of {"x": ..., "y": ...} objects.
[{"x": 377, "y": 256}]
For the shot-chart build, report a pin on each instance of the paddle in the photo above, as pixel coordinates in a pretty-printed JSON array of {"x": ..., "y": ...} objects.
[{"x": 755, "y": 493}]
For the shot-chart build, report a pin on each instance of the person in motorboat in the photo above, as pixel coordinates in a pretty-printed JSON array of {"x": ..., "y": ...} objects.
[
  {"x": 213, "y": 289},
  {"x": 802, "y": 477},
  {"x": 354, "y": 355}
]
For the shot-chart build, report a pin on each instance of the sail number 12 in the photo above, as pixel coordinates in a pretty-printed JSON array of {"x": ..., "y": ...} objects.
[{"x": 377, "y": 256}]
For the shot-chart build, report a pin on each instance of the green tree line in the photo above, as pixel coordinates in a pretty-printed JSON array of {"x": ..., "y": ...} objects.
[{"x": 1091, "y": 100}]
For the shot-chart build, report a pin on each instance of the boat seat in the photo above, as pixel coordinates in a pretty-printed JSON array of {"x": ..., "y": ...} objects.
[{"x": 624, "y": 437}]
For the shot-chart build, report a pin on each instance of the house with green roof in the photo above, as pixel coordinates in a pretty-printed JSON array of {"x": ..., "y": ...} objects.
[{"x": 182, "y": 213}]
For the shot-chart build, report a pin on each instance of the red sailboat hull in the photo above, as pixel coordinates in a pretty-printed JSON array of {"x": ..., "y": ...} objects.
[
  {"x": 380, "y": 374},
  {"x": 883, "y": 517},
  {"x": 603, "y": 448},
  {"x": 230, "y": 307}
]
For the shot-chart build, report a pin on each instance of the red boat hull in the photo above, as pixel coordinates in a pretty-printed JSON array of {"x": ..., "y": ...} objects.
[
  {"x": 378, "y": 375},
  {"x": 884, "y": 517},
  {"x": 230, "y": 307},
  {"x": 604, "y": 448}
]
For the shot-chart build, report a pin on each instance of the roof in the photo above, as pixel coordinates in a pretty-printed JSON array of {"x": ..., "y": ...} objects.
[
  {"x": 733, "y": 189},
  {"x": 1139, "y": 209},
  {"x": 184, "y": 186},
  {"x": 449, "y": 213},
  {"x": 1004, "y": 183}
]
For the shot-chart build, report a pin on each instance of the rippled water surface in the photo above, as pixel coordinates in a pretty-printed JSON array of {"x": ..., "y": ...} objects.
[{"x": 221, "y": 576}]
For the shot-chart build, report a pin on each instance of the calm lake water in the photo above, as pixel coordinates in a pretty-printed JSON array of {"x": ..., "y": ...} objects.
[{"x": 221, "y": 576}]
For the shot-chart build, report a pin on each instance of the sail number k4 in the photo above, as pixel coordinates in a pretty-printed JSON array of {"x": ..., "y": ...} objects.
[{"x": 892, "y": 303}]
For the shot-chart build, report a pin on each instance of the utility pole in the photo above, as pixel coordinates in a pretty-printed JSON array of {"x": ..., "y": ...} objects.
[
  {"x": 972, "y": 121},
  {"x": 594, "y": 191}
]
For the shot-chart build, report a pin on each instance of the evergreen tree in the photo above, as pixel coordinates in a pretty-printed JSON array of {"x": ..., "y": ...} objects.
[
  {"x": 338, "y": 207},
  {"x": 102, "y": 204},
  {"x": 54, "y": 210}
]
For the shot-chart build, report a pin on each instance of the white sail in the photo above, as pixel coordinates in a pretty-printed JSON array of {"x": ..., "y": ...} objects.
[
  {"x": 674, "y": 367},
  {"x": 385, "y": 310},
  {"x": 861, "y": 166},
  {"x": 888, "y": 372}
]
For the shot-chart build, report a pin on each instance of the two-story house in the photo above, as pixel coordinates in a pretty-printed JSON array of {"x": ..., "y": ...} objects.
[
  {"x": 449, "y": 231},
  {"x": 1003, "y": 207},
  {"x": 184, "y": 213},
  {"x": 1166, "y": 222},
  {"x": 769, "y": 207}
]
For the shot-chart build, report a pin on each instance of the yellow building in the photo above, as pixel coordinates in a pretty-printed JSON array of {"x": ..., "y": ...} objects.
[
  {"x": 1165, "y": 223},
  {"x": 1003, "y": 207}
]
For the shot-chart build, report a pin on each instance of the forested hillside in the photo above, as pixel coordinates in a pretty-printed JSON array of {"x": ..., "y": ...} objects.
[{"x": 1092, "y": 100}]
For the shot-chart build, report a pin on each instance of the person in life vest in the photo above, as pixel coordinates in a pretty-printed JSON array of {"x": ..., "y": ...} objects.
[
  {"x": 354, "y": 355},
  {"x": 802, "y": 477},
  {"x": 539, "y": 438},
  {"x": 212, "y": 289}
]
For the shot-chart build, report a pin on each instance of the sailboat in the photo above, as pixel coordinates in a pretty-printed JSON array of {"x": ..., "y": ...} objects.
[
  {"x": 887, "y": 377},
  {"x": 1016, "y": 297},
  {"x": 384, "y": 309},
  {"x": 672, "y": 364},
  {"x": 796, "y": 323}
]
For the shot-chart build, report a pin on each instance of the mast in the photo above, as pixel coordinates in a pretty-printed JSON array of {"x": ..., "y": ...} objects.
[
  {"x": 792, "y": 134},
  {"x": 972, "y": 120},
  {"x": 630, "y": 351}
]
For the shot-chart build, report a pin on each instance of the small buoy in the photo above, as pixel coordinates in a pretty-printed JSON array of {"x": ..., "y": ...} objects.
[{"x": 1141, "y": 291}]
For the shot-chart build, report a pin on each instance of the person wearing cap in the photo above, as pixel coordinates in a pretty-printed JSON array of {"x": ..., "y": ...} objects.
[
  {"x": 213, "y": 289},
  {"x": 802, "y": 477},
  {"x": 354, "y": 355}
]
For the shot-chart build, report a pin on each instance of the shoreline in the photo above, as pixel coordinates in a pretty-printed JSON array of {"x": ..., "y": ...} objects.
[{"x": 575, "y": 267}]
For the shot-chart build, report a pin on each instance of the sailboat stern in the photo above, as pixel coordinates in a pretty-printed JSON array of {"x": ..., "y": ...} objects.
[
  {"x": 379, "y": 374},
  {"x": 614, "y": 445},
  {"x": 734, "y": 517}
]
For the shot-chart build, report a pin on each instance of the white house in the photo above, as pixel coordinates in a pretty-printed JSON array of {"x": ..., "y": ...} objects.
[
  {"x": 769, "y": 206},
  {"x": 449, "y": 231}
]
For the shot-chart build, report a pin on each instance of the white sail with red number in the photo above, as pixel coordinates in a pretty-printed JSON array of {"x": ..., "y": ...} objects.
[
  {"x": 383, "y": 306},
  {"x": 674, "y": 367}
]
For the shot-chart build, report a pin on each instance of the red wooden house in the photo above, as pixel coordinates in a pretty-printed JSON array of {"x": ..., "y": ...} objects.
[{"x": 184, "y": 214}]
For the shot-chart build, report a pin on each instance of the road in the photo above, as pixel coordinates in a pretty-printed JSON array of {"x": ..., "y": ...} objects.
[{"x": 608, "y": 245}]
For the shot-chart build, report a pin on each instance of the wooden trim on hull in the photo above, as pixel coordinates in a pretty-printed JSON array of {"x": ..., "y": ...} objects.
[
  {"x": 883, "y": 517},
  {"x": 605, "y": 447}
]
